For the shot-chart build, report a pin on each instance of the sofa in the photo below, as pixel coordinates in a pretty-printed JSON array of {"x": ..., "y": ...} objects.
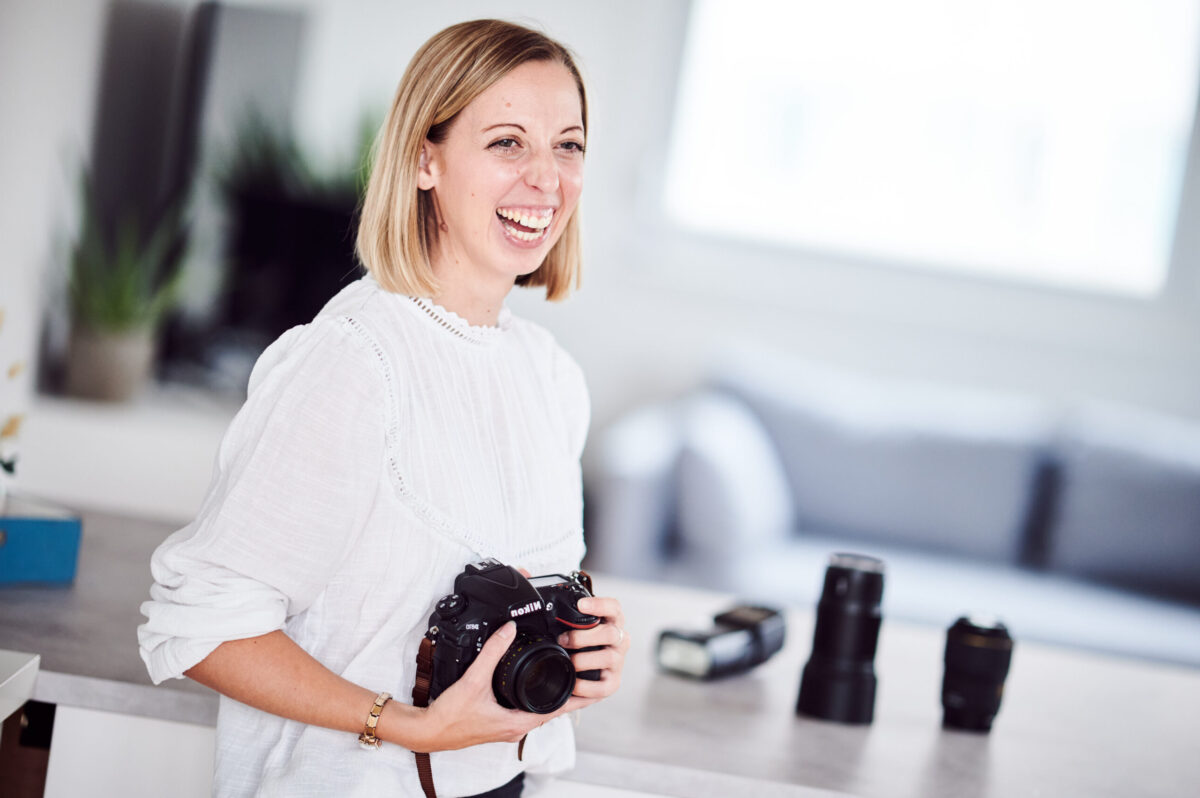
[{"x": 1074, "y": 525}]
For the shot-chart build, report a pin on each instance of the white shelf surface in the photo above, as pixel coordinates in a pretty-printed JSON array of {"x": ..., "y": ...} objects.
[{"x": 18, "y": 672}]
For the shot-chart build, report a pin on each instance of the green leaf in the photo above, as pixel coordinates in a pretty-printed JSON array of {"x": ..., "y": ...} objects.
[{"x": 127, "y": 278}]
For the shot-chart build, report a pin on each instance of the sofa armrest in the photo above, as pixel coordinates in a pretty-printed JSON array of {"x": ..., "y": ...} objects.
[
  {"x": 733, "y": 493},
  {"x": 630, "y": 488}
]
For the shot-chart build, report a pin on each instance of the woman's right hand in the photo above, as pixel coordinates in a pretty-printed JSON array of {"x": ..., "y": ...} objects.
[{"x": 467, "y": 713}]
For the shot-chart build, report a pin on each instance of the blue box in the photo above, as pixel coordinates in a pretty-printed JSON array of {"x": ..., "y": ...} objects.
[{"x": 38, "y": 543}]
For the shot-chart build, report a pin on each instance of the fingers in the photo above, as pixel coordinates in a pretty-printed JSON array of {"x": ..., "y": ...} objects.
[
  {"x": 607, "y": 684},
  {"x": 607, "y": 608},
  {"x": 490, "y": 654},
  {"x": 606, "y": 634},
  {"x": 605, "y": 658}
]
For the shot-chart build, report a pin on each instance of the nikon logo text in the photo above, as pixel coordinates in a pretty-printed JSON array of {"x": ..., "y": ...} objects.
[{"x": 533, "y": 606}]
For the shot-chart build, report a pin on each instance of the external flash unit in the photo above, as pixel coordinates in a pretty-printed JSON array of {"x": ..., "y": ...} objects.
[{"x": 739, "y": 639}]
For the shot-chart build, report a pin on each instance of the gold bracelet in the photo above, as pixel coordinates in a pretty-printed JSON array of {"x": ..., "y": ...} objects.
[{"x": 368, "y": 738}]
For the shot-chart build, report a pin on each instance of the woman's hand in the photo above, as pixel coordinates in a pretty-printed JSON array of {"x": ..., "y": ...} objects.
[
  {"x": 467, "y": 712},
  {"x": 610, "y": 658}
]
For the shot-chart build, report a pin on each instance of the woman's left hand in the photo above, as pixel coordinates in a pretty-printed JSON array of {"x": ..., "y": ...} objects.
[{"x": 610, "y": 658}]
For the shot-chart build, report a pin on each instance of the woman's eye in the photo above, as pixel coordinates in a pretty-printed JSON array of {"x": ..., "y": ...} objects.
[
  {"x": 573, "y": 146},
  {"x": 504, "y": 144}
]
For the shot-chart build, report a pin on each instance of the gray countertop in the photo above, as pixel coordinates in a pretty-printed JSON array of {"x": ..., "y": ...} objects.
[
  {"x": 1072, "y": 723},
  {"x": 86, "y": 633}
]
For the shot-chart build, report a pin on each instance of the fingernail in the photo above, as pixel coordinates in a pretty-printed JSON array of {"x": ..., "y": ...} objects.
[
  {"x": 563, "y": 638},
  {"x": 507, "y": 630},
  {"x": 585, "y": 604}
]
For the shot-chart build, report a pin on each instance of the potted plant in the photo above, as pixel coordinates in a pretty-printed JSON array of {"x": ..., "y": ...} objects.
[
  {"x": 123, "y": 280},
  {"x": 290, "y": 245}
]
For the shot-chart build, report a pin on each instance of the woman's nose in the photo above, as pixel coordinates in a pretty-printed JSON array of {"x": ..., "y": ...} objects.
[{"x": 541, "y": 171}]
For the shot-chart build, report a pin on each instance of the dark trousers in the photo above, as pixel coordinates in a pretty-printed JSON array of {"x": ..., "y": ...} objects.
[{"x": 510, "y": 790}]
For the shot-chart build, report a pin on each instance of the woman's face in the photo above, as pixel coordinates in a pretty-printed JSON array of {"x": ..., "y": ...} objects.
[{"x": 507, "y": 177}]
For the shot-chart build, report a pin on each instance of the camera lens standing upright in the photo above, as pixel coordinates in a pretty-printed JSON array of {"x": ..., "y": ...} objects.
[
  {"x": 978, "y": 654},
  {"x": 839, "y": 680}
]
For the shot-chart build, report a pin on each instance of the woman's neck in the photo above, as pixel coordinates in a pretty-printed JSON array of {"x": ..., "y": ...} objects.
[{"x": 477, "y": 300}]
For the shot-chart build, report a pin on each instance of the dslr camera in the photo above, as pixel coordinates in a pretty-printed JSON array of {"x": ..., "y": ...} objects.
[{"x": 536, "y": 673}]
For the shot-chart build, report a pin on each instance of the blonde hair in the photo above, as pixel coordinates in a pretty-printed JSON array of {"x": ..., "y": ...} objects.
[{"x": 398, "y": 226}]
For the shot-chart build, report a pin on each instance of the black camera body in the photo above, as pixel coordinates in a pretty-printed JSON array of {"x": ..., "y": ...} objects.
[{"x": 535, "y": 674}]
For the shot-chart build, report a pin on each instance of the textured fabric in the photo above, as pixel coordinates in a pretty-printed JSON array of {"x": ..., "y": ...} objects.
[{"x": 381, "y": 448}]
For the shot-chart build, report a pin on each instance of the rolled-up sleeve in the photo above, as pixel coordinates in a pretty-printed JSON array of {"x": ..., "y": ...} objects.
[{"x": 295, "y": 480}]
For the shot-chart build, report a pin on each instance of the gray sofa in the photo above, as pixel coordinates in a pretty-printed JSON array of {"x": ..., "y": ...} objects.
[{"x": 1077, "y": 526}]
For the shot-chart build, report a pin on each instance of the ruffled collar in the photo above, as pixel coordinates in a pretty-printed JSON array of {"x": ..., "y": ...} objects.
[{"x": 460, "y": 327}]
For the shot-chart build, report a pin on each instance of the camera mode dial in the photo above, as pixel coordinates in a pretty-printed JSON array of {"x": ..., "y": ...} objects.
[{"x": 452, "y": 605}]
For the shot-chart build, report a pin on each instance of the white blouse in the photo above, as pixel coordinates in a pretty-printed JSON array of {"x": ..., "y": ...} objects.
[{"x": 382, "y": 447}]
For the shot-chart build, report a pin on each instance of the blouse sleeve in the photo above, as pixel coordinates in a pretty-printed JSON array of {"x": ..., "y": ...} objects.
[{"x": 295, "y": 479}]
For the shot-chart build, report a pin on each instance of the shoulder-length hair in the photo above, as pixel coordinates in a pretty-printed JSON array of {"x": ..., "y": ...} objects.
[{"x": 398, "y": 227}]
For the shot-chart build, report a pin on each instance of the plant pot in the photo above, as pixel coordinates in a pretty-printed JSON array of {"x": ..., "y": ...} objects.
[{"x": 108, "y": 366}]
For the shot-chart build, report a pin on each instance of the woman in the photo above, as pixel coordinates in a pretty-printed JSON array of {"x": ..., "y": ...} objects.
[{"x": 413, "y": 427}]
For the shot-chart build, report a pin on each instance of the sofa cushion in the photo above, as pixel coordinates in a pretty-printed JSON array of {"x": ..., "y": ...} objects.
[
  {"x": 928, "y": 466},
  {"x": 732, "y": 490},
  {"x": 1128, "y": 509}
]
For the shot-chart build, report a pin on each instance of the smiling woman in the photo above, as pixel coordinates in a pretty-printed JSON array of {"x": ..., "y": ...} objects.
[
  {"x": 400, "y": 223},
  {"x": 415, "y": 426},
  {"x": 504, "y": 180}
]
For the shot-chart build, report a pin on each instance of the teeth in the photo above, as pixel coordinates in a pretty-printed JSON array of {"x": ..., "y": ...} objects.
[
  {"x": 524, "y": 236},
  {"x": 537, "y": 220}
]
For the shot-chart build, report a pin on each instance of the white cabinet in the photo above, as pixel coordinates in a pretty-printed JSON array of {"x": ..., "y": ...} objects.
[{"x": 105, "y": 753}]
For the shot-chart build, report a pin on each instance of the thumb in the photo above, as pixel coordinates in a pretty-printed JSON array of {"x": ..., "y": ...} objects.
[{"x": 493, "y": 650}]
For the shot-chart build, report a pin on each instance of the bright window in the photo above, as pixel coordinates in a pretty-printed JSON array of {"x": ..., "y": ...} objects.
[{"x": 1043, "y": 140}]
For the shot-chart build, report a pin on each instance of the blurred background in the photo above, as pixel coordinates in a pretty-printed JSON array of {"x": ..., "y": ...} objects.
[{"x": 849, "y": 252}]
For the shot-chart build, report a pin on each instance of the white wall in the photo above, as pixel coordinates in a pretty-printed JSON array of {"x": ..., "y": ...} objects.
[
  {"x": 655, "y": 306},
  {"x": 49, "y": 55}
]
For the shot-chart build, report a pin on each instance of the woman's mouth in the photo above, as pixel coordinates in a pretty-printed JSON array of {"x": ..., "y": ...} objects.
[{"x": 529, "y": 225}]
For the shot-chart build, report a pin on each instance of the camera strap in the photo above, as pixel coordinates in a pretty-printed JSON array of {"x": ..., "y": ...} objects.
[{"x": 420, "y": 696}]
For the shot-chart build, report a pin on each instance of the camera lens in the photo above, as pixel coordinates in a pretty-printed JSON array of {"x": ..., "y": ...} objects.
[
  {"x": 978, "y": 653},
  {"x": 839, "y": 680},
  {"x": 536, "y": 675}
]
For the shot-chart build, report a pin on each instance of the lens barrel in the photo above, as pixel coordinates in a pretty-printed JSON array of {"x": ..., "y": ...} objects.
[
  {"x": 978, "y": 655},
  {"x": 535, "y": 675},
  {"x": 839, "y": 680}
]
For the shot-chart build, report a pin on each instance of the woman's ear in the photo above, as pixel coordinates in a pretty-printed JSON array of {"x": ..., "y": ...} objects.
[{"x": 427, "y": 167}]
